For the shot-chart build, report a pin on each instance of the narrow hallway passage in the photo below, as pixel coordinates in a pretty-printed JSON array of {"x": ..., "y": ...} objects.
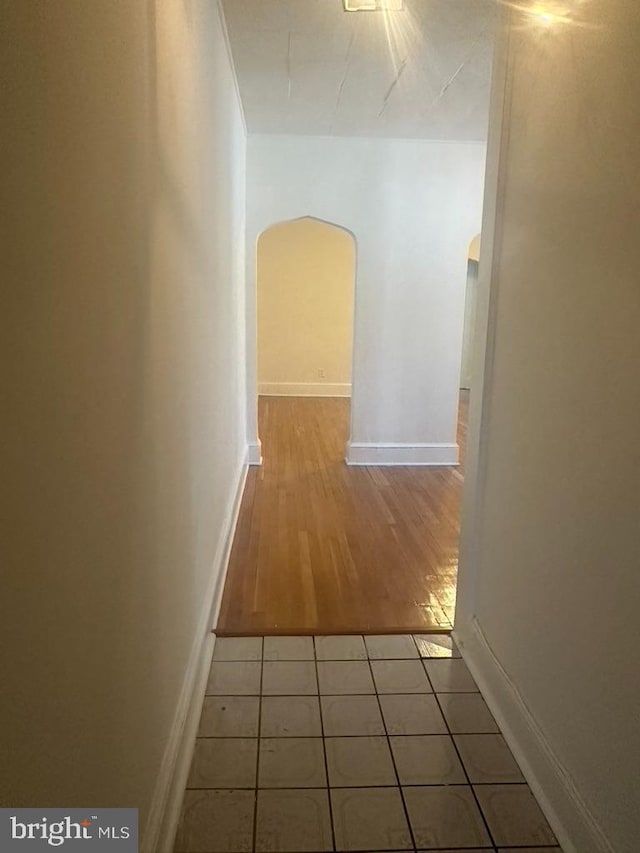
[{"x": 321, "y": 547}]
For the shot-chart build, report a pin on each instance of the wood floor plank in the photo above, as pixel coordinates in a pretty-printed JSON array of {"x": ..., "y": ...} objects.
[{"x": 323, "y": 548}]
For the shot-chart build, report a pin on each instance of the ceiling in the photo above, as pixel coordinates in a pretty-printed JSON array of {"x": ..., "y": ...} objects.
[{"x": 309, "y": 67}]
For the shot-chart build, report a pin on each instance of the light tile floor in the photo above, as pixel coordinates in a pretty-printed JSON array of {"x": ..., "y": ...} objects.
[{"x": 308, "y": 745}]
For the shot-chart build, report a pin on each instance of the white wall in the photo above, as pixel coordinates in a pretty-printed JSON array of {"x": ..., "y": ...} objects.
[
  {"x": 412, "y": 206},
  {"x": 549, "y": 585},
  {"x": 123, "y": 379},
  {"x": 306, "y": 276}
]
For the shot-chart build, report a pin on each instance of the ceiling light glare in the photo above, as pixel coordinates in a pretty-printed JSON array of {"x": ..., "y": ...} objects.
[
  {"x": 544, "y": 17},
  {"x": 548, "y": 16},
  {"x": 373, "y": 5}
]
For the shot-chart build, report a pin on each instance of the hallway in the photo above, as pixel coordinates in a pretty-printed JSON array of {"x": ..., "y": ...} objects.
[
  {"x": 148, "y": 146},
  {"x": 321, "y": 547}
]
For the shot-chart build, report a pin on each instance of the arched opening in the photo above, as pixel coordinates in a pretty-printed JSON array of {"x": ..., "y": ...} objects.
[{"x": 305, "y": 302}]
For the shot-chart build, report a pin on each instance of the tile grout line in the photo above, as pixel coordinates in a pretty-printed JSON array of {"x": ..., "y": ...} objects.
[
  {"x": 462, "y": 764},
  {"x": 393, "y": 760},
  {"x": 357, "y": 787},
  {"x": 255, "y": 805},
  {"x": 356, "y": 737},
  {"x": 324, "y": 748},
  {"x": 451, "y": 738}
]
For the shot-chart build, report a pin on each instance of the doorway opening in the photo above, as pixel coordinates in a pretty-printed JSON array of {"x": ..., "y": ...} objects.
[
  {"x": 305, "y": 293},
  {"x": 323, "y": 547},
  {"x": 372, "y": 546}
]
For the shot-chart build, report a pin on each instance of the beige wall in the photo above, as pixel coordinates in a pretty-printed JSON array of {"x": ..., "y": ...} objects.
[
  {"x": 474, "y": 248},
  {"x": 550, "y": 583},
  {"x": 123, "y": 430},
  {"x": 467, "y": 360},
  {"x": 306, "y": 274}
]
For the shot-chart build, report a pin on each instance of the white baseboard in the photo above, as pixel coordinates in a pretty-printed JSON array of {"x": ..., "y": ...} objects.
[
  {"x": 254, "y": 453},
  {"x": 164, "y": 814},
  {"x": 162, "y": 824},
  {"x": 305, "y": 389},
  {"x": 221, "y": 562},
  {"x": 401, "y": 454},
  {"x": 570, "y": 818}
]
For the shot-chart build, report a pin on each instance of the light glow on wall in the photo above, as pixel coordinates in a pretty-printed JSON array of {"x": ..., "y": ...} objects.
[
  {"x": 373, "y": 5},
  {"x": 545, "y": 17},
  {"x": 549, "y": 15}
]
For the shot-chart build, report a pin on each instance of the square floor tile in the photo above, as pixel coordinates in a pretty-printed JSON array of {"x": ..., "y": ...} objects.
[
  {"x": 216, "y": 822},
  {"x": 289, "y": 678},
  {"x": 400, "y": 676},
  {"x": 292, "y": 763},
  {"x": 487, "y": 758},
  {"x": 351, "y": 715},
  {"x": 354, "y": 762},
  {"x": 513, "y": 815},
  {"x": 369, "y": 819},
  {"x": 229, "y": 716},
  {"x": 445, "y": 817},
  {"x": 427, "y": 760},
  {"x": 293, "y": 821},
  {"x": 412, "y": 714},
  {"x": 342, "y": 677},
  {"x": 237, "y": 648},
  {"x": 224, "y": 763},
  {"x": 436, "y": 646},
  {"x": 288, "y": 648},
  {"x": 450, "y": 676},
  {"x": 340, "y": 648},
  {"x": 290, "y": 716},
  {"x": 238, "y": 678},
  {"x": 467, "y": 713},
  {"x": 391, "y": 646}
]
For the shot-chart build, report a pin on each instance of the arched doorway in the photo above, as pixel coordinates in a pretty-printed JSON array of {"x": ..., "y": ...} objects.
[{"x": 305, "y": 302}]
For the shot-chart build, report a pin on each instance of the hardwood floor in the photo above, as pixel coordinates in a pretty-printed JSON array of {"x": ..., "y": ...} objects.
[{"x": 323, "y": 548}]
